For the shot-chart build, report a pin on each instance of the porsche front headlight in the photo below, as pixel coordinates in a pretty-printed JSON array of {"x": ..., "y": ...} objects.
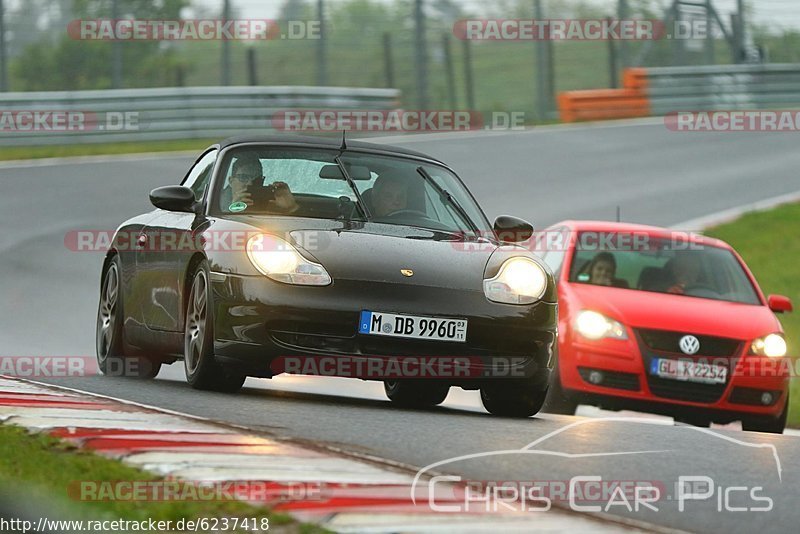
[
  {"x": 281, "y": 262},
  {"x": 772, "y": 346},
  {"x": 519, "y": 281}
]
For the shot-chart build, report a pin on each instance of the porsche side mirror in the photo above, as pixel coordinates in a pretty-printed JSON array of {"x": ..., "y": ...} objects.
[
  {"x": 512, "y": 230},
  {"x": 780, "y": 304},
  {"x": 173, "y": 198}
]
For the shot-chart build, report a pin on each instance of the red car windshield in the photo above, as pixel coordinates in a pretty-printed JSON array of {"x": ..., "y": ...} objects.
[{"x": 663, "y": 266}]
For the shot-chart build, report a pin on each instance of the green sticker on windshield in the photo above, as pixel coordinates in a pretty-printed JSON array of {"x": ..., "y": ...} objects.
[
  {"x": 583, "y": 277},
  {"x": 236, "y": 207}
]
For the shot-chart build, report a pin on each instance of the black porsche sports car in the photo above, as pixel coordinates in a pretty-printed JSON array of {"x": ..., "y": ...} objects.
[{"x": 278, "y": 254}]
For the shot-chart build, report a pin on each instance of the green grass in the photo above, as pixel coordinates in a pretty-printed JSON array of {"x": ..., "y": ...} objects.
[
  {"x": 41, "y": 468},
  {"x": 61, "y": 151},
  {"x": 770, "y": 244}
]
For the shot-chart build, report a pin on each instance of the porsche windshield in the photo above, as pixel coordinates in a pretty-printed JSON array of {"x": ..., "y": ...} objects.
[
  {"x": 310, "y": 183},
  {"x": 664, "y": 266}
]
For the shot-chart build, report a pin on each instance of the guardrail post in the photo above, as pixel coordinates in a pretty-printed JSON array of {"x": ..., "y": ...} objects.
[
  {"x": 742, "y": 20},
  {"x": 421, "y": 54},
  {"x": 710, "y": 54},
  {"x": 3, "y": 58},
  {"x": 741, "y": 32},
  {"x": 226, "y": 46},
  {"x": 116, "y": 52},
  {"x": 678, "y": 45},
  {"x": 448, "y": 68},
  {"x": 468, "y": 77},
  {"x": 252, "y": 73},
  {"x": 544, "y": 66},
  {"x": 388, "y": 59},
  {"x": 738, "y": 39},
  {"x": 322, "y": 62},
  {"x": 622, "y": 14},
  {"x": 613, "y": 72}
]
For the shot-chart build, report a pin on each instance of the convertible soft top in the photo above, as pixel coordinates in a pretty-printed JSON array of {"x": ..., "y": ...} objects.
[{"x": 332, "y": 142}]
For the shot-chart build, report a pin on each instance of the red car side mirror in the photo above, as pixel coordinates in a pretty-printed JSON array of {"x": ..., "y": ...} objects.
[{"x": 780, "y": 304}]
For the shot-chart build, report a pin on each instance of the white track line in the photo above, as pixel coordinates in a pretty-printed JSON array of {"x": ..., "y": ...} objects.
[{"x": 721, "y": 217}]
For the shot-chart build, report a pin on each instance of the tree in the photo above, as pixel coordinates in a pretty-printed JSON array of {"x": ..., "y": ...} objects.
[{"x": 72, "y": 64}]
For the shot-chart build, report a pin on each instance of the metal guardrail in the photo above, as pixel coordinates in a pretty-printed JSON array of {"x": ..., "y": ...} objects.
[
  {"x": 663, "y": 90},
  {"x": 177, "y": 113},
  {"x": 723, "y": 87}
]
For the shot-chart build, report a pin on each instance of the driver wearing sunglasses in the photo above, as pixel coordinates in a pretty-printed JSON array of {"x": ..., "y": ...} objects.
[{"x": 247, "y": 187}]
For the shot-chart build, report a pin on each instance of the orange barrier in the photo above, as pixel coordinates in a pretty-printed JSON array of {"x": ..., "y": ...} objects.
[
  {"x": 635, "y": 78},
  {"x": 601, "y": 104}
]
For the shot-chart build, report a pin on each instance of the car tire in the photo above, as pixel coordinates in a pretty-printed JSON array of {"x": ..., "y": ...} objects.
[
  {"x": 113, "y": 359},
  {"x": 767, "y": 424},
  {"x": 202, "y": 370},
  {"x": 415, "y": 394},
  {"x": 559, "y": 401},
  {"x": 513, "y": 398}
]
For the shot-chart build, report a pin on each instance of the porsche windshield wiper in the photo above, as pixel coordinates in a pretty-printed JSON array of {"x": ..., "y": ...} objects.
[
  {"x": 443, "y": 193},
  {"x": 359, "y": 199}
]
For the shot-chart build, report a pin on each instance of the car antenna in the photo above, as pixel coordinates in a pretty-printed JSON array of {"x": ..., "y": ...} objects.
[
  {"x": 344, "y": 140},
  {"x": 619, "y": 214}
]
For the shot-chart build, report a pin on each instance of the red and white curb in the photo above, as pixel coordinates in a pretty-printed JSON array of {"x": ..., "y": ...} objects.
[{"x": 359, "y": 496}]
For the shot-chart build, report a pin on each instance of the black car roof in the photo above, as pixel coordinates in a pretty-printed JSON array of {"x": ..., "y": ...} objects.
[{"x": 323, "y": 141}]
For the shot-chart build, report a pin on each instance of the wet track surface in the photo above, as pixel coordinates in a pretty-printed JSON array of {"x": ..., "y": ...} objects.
[{"x": 654, "y": 175}]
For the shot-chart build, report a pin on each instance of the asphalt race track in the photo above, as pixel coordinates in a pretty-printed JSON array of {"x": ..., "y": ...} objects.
[{"x": 653, "y": 175}]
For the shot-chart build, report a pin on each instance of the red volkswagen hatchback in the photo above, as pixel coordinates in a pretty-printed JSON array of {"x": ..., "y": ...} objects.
[{"x": 664, "y": 322}]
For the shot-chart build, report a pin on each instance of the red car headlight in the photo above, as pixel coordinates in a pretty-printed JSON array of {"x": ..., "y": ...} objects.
[
  {"x": 772, "y": 346},
  {"x": 595, "y": 326}
]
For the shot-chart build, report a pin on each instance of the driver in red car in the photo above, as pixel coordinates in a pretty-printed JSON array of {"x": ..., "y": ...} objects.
[{"x": 685, "y": 273}]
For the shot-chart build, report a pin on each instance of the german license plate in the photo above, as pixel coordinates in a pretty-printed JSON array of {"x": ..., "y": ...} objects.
[
  {"x": 689, "y": 371},
  {"x": 413, "y": 326}
]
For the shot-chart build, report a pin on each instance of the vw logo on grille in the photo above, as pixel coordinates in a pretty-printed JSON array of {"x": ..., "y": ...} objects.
[{"x": 689, "y": 345}]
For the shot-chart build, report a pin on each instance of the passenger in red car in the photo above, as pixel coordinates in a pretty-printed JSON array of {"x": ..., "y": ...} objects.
[{"x": 602, "y": 269}]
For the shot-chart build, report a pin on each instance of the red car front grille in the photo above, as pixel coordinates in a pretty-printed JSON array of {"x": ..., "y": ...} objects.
[
  {"x": 664, "y": 341},
  {"x": 664, "y": 344}
]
